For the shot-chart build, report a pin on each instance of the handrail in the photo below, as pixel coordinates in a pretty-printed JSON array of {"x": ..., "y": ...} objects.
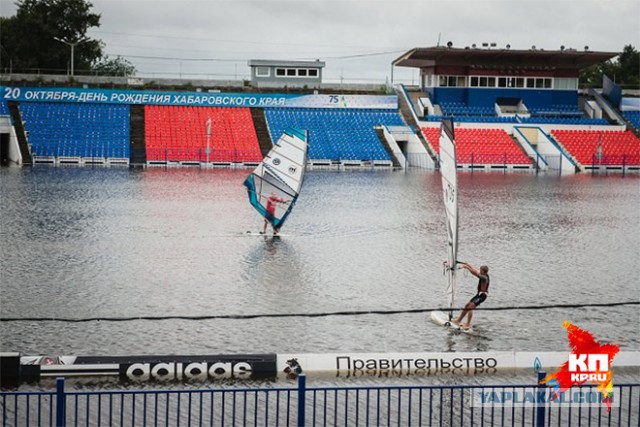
[{"x": 301, "y": 404}]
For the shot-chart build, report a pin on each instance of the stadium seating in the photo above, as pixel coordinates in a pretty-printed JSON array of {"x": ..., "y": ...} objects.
[
  {"x": 633, "y": 117},
  {"x": 618, "y": 147},
  {"x": 563, "y": 120},
  {"x": 179, "y": 134},
  {"x": 77, "y": 130},
  {"x": 461, "y": 109},
  {"x": 433, "y": 136},
  {"x": 558, "y": 110},
  {"x": 475, "y": 119},
  {"x": 4, "y": 108},
  {"x": 482, "y": 146},
  {"x": 336, "y": 134}
]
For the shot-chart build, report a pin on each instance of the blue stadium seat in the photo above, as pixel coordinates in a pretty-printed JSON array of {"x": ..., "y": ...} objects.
[
  {"x": 345, "y": 134},
  {"x": 77, "y": 130},
  {"x": 4, "y": 108},
  {"x": 633, "y": 117}
]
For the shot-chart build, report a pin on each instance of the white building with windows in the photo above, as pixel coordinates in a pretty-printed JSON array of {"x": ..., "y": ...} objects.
[{"x": 278, "y": 74}]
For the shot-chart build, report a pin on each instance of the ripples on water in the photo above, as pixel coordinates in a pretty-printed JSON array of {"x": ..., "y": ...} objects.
[{"x": 85, "y": 242}]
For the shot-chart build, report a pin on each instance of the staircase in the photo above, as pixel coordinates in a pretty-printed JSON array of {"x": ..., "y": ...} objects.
[
  {"x": 385, "y": 144},
  {"x": 517, "y": 142},
  {"x": 407, "y": 115},
  {"x": 20, "y": 133},
  {"x": 136, "y": 135},
  {"x": 262, "y": 130}
]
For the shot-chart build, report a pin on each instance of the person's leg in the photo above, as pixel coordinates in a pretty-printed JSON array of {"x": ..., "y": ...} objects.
[
  {"x": 468, "y": 324},
  {"x": 468, "y": 312},
  {"x": 264, "y": 228},
  {"x": 475, "y": 302},
  {"x": 464, "y": 313}
]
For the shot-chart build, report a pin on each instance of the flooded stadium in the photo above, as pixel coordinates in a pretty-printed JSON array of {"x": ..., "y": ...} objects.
[{"x": 120, "y": 242}]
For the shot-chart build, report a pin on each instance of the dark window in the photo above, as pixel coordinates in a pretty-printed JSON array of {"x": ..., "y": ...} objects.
[{"x": 279, "y": 71}]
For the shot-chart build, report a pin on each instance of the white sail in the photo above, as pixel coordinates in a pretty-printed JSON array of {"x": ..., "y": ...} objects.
[{"x": 448, "y": 171}]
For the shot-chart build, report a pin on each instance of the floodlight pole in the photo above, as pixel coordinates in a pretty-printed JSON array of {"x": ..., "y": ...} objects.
[{"x": 72, "y": 45}]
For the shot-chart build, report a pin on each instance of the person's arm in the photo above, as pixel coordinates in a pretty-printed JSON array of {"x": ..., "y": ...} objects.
[{"x": 471, "y": 269}]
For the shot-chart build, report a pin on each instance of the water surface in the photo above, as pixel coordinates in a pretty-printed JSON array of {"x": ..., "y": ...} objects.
[{"x": 87, "y": 242}]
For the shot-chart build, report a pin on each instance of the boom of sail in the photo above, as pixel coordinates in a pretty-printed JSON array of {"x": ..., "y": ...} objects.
[{"x": 281, "y": 173}]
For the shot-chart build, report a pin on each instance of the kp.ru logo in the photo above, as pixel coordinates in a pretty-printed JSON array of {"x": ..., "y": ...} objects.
[
  {"x": 596, "y": 369},
  {"x": 589, "y": 361}
]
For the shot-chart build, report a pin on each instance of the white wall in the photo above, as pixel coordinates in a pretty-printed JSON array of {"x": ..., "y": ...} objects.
[
  {"x": 14, "y": 154},
  {"x": 534, "y": 139}
]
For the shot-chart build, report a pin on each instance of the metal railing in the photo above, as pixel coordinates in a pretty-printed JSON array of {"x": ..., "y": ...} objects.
[
  {"x": 623, "y": 163},
  {"x": 313, "y": 406}
]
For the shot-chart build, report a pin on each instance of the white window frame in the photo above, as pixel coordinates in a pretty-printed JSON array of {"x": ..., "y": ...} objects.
[
  {"x": 259, "y": 74},
  {"x": 296, "y": 72}
]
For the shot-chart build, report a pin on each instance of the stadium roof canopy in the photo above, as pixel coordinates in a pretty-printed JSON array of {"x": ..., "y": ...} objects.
[{"x": 422, "y": 57}]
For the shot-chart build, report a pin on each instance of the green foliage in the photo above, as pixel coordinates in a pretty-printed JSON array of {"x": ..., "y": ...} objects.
[
  {"x": 114, "y": 67},
  {"x": 629, "y": 66},
  {"x": 624, "y": 70},
  {"x": 29, "y": 38}
]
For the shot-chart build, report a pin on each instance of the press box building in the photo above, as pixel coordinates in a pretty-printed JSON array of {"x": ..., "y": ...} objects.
[{"x": 278, "y": 74}]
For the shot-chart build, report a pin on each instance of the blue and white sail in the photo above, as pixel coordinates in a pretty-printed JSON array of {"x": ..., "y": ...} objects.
[{"x": 280, "y": 173}]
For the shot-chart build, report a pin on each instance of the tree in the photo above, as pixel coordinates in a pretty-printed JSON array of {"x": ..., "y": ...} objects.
[
  {"x": 29, "y": 38},
  {"x": 624, "y": 70},
  {"x": 629, "y": 67},
  {"x": 114, "y": 67}
]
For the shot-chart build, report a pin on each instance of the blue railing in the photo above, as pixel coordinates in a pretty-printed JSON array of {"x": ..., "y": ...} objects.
[{"x": 310, "y": 406}]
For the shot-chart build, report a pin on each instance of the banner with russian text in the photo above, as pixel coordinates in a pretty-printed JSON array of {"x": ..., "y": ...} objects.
[{"x": 196, "y": 99}]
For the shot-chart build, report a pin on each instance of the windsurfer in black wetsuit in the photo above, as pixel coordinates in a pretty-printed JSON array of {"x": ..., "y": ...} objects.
[{"x": 483, "y": 289}]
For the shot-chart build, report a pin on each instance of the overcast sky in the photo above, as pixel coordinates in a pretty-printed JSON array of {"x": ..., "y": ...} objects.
[{"x": 357, "y": 39}]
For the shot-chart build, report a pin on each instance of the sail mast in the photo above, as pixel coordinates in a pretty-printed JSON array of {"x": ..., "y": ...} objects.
[{"x": 448, "y": 171}]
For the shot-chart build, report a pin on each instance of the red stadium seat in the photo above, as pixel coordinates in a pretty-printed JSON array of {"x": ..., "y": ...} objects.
[{"x": 180, "y": 134}]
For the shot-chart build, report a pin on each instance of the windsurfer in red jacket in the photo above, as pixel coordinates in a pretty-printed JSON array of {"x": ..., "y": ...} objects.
[{"x": 272, "y": 202}]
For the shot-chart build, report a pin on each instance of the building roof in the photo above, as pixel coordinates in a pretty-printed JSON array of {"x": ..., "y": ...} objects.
[
  {"x": 283, "y": 63},
  {"x": 421, "y": 57}
]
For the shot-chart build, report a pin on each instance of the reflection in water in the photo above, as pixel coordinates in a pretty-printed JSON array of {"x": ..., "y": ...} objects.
[{"x": 270, "y": 260}]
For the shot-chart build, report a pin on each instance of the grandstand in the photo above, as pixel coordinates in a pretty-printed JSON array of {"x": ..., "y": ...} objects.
[
  {"x": 219, "y": 135},
  {"x": 337, "y": 135},
  {"x": 490, "y": 148},
  {"x": 503, "y": 85},
  {"x": 499, "y": 100},
  {"x": 77, "y": 133},
  {"x": 617, "y": 148}
]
